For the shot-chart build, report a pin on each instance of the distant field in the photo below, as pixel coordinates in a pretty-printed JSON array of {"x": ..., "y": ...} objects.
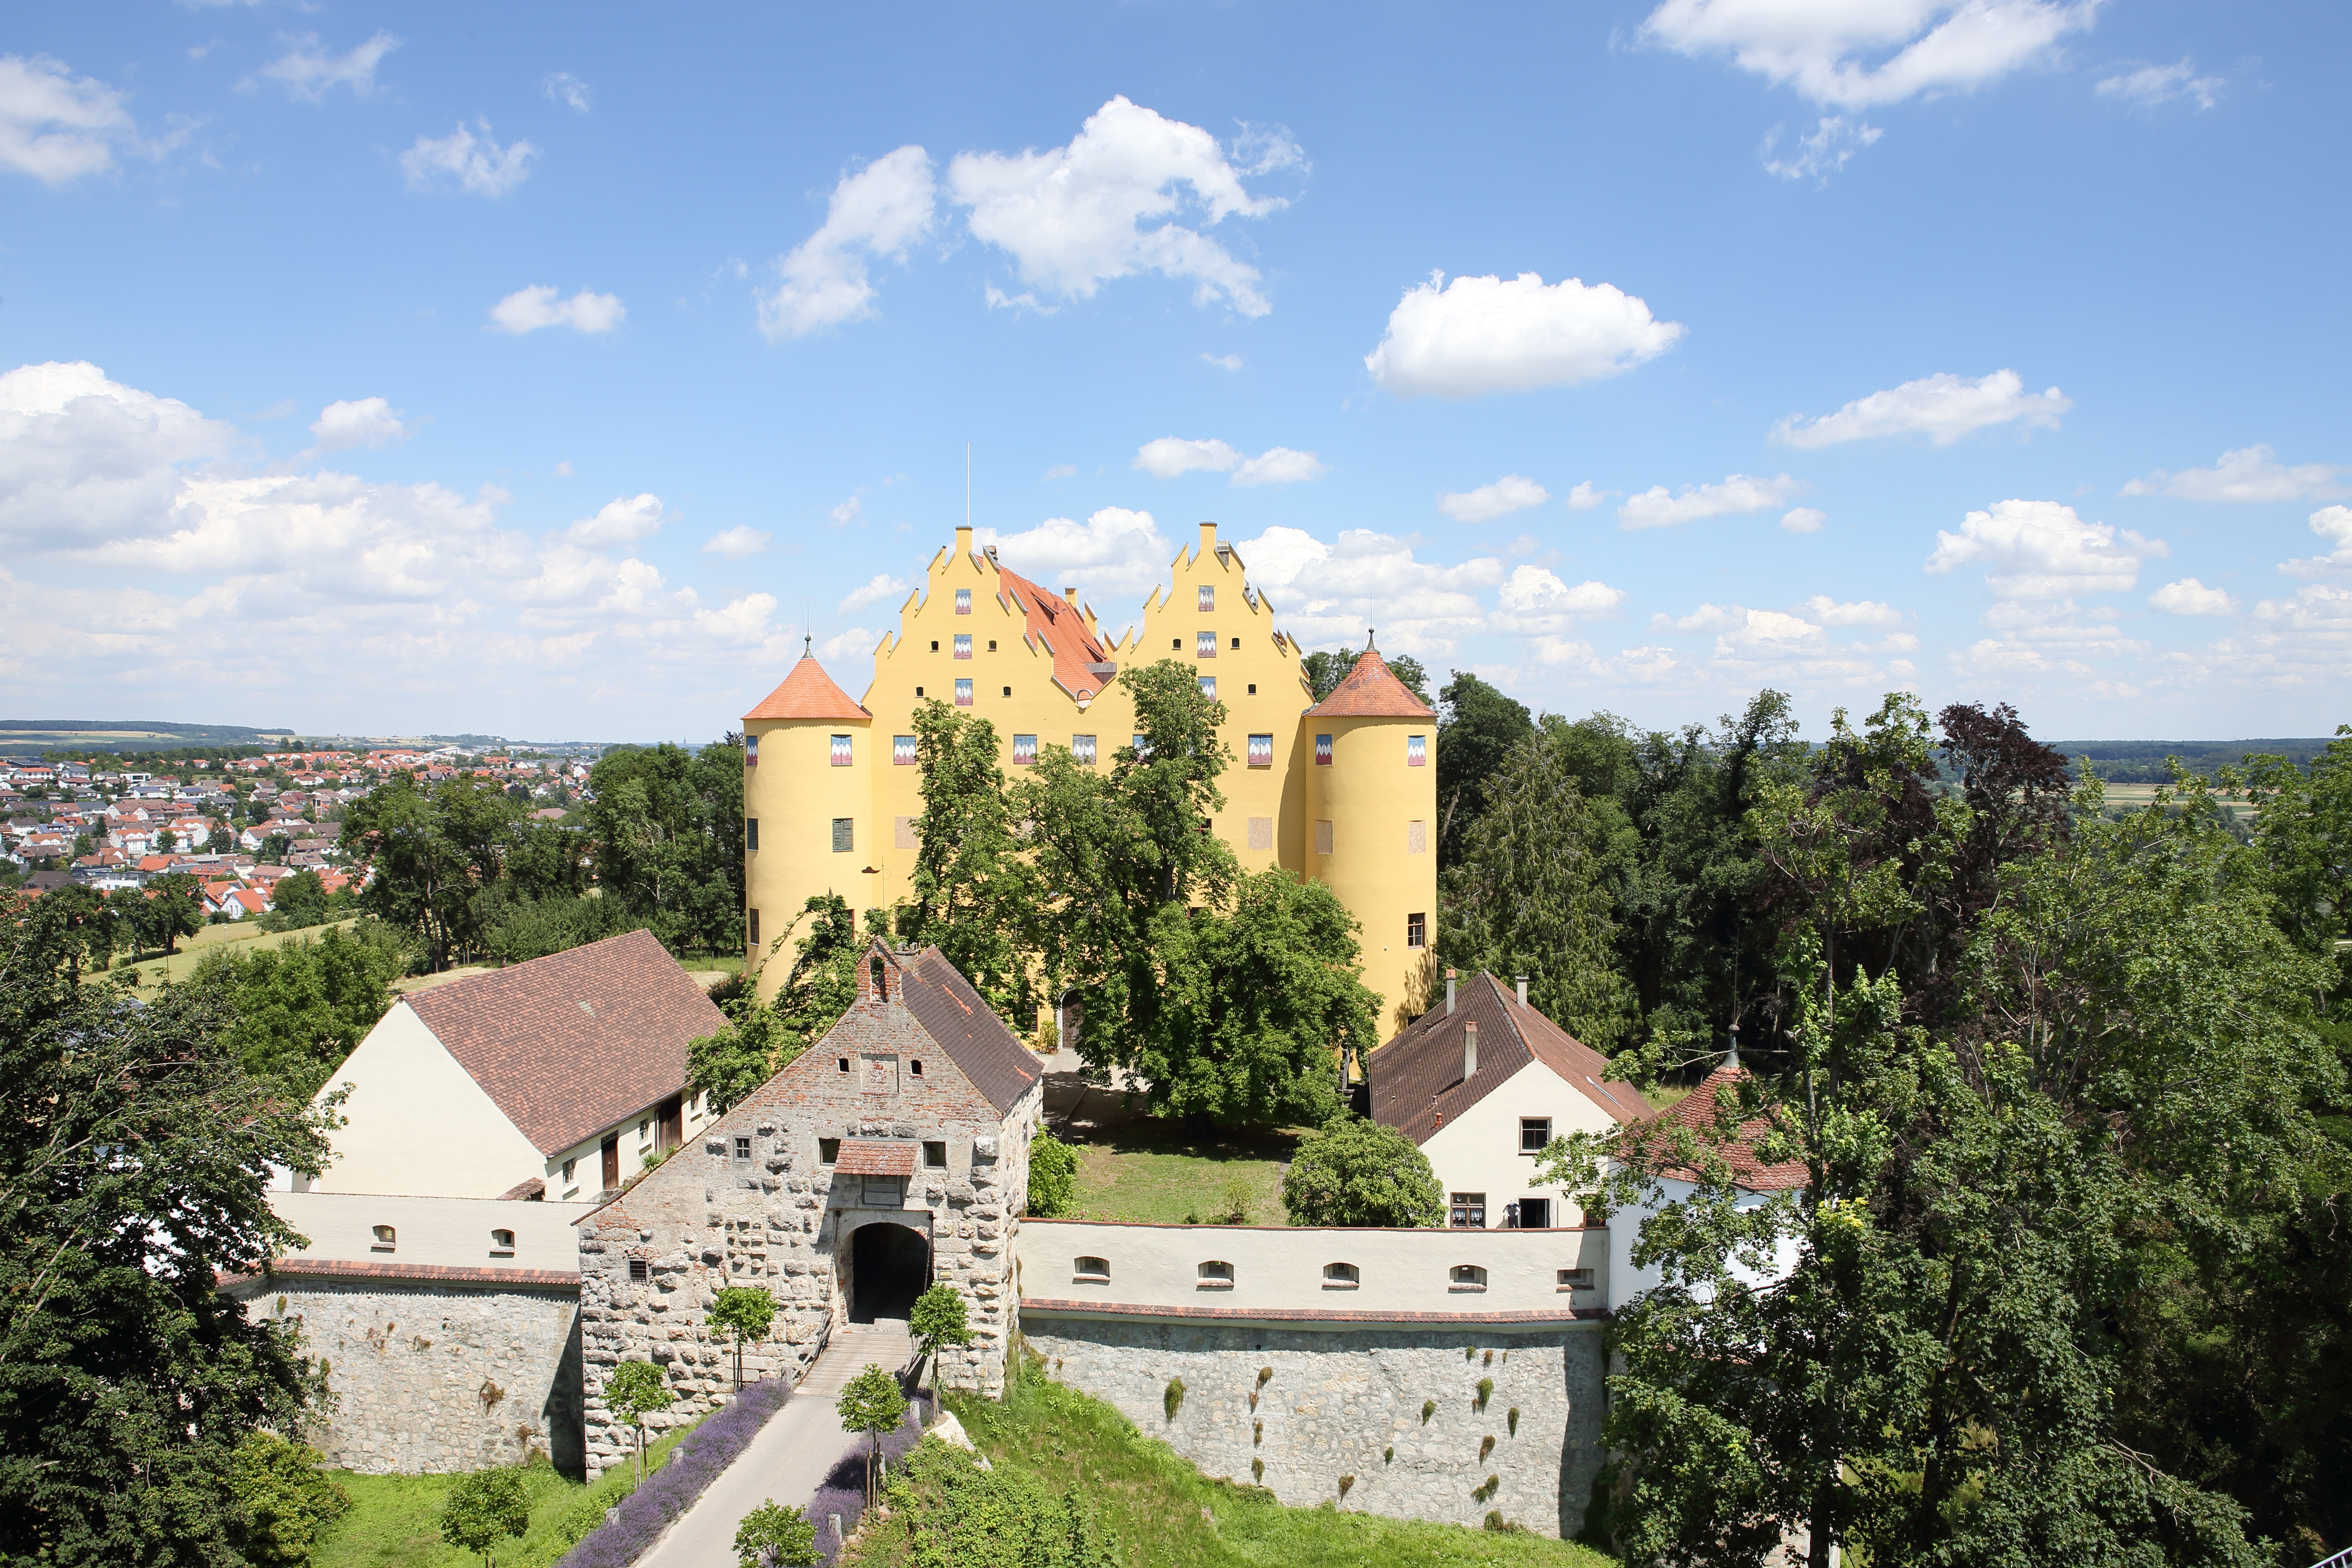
[
  {"x": 117, "y": 734},
  {"x": 243, "y": 935}
]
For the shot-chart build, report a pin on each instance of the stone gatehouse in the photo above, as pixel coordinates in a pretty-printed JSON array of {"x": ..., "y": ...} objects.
[{"x": 892, "y": 1153}]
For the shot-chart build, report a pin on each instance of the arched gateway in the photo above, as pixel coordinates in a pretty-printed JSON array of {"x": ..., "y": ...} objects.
[{"x": 889, "y": 1265}]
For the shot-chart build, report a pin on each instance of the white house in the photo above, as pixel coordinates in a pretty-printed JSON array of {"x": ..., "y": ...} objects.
[{"x": 558, "y": 1077}]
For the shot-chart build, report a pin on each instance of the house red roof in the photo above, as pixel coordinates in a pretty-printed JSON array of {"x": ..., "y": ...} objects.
[
  {"x": 1372, "y": 690},
  {"x": 567, "y": 1045},
  {"x": 1416, "y": 1077},
  {"x": 1054, "y": 622},
  {"x": 808, "y": 692},
  {"x": 1697, "y": 1113}
]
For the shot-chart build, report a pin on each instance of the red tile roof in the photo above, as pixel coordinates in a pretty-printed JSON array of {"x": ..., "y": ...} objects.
[
  {"x": 1697, "y": 1114},
  {"x": 876, "y": 1157},
  {"x": 567, "y": 1045},
  {"x": 1416, "y": 1077},
  {"x": 808, "y": 692},
  {"x": 1056, "y": 622},
  {"x": 1372, "y": 690}
]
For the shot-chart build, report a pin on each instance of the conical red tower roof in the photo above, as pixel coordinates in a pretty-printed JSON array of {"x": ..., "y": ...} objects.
[
  {"x": 1372, "y": 690},
  {"x": 808, "y": 692}
]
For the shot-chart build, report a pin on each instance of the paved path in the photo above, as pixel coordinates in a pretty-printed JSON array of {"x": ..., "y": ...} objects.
[{"x": 789, "y": 1456}]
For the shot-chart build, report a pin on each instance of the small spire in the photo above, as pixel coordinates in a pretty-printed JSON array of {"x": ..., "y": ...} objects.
[
  {"x": 1732, "y": 1059},
  {"x": 1368, "y": 643},
  {"x": 806, "y": 638}
]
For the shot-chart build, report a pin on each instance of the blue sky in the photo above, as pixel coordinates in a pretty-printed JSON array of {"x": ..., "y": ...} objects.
[{"x": 544, "y": 370}]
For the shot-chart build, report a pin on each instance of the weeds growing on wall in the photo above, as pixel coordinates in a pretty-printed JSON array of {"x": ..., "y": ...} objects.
[
  {"x": 1174, "y": 1400},
  {"x": 1428, "y": 1409},
  {"x": 1514, "y": 1419}
]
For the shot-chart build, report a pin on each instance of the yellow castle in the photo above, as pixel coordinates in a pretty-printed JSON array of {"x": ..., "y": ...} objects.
[{"x": 1344, "y": 791}]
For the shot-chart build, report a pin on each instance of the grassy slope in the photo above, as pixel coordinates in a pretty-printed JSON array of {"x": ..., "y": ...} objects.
[
  {"x": 396, "y": 1520},
  {"x": 242, "y": 936},
  {"x": 1168, "y": 1515},
  {"x": 1153, "y": 1170}
]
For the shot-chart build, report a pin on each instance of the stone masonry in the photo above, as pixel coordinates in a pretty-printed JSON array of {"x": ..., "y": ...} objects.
[
  {"x": 428, "y": 1377},
  {"x": 752, "y": 1200},
  {"x": 1347, "y": 1402}
]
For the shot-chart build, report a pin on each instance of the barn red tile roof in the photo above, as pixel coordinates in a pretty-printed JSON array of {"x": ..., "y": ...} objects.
[
  {"x": 1056, "y": 622},
  {"x": 973, "y": 1037},
  {"x": 1416, "y": 1077},
  {"x": 1370, "y": 690},
  {"x": 876, "y": 1157},
  {"x": 1696, "y": 1112},
  {"x": 567, "y": 1045},
  {"x": 808, "y": 692}
]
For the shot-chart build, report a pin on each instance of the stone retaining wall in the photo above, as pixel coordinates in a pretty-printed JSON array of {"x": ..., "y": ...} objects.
[{"x": 1347, "y": 1402}]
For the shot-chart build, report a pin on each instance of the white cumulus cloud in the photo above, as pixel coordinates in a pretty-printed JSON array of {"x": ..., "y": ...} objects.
[
  {"x": 876, "y": 212},
  {"x": 2041, "y": 549},
  {"x": 2191, "y": 597},
  {"x": 1477, "y": 335},
  {"x": 2150, "y": 85},
  {"x": 1852, "y": 54},
  {"x": 1223, "y": 362},
  {"x": 1331, "y": 593},
  {"x": 1172, "y": 456},
  {"x": 1534, "y": 601},
  {"x": 1584, "y": 498},
  {"x": 1943, "y": 407},
  {"x": 307, "y": 70},
  {"x": 56, "y": 126},
  {"x": 368, "y": 422},
  {"x": 2246, "y": 474},
  {"x": 1659, "y": 508},
  {"x": 1804, "y": 520},
  {"x": 1133, "y": 192},
  {"x": 1512, "y": 493},
  {"x": 1824, "y": 153},
  {"x": 528, "y": 309},
  {"x": 736, "y": 543},
  {"x": 84, "y": 460},
  {"x": 566, "y": 88},
  {"x": 624, "y": 519},
  {"x": 1280, "y": 465},
  {"x": 478, "y": 164},
  {"x": 880, "y": 587},
  {"x": 1114, "y": 551}
]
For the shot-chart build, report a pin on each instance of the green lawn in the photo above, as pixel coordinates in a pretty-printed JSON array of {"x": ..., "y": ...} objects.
[
  {"x": 241, "y": 936},
  {"x": 1156, "y": 1171},
  {"x": 1168, "y": 1515},
  {"x": 396, "y": 1520}
]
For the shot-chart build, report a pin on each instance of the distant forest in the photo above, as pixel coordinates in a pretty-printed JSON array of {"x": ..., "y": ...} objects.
[{"x": 2144, "y": 762}]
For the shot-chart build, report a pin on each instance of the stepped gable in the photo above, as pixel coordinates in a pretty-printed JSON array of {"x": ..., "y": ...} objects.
[
  {"x": 567, "y": 1045},
  {"x": 1372, "y": 690},
  {"x": 1057, "y": 623},
  {"x": 944, "y": 1002},
  {"x": 1697, "y": 1111},
  {"x": 1417, "y": 1076},
  {"x": 808, "y": 692}
]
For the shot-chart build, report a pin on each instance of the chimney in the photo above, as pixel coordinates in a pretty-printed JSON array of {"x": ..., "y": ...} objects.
[
  {"x": 1449, "y": 994},
  {"x": 1469, "y": 1052},
  {"x": 1523, "y": 990}
]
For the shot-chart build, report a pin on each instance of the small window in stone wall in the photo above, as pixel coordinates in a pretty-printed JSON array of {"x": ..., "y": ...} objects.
[
  {"x": 387, "y": 1238},
  {"x": 1466, "y": 1276},
  {"x": 742, "y": 1148},
  {"x": 1576, "y": 1279},
  {"x": 1216, "y": 1276},
  {"x": 916, "y": 1067},
  {"x": 637, "y": 1271},
  {"x": 828, "y": 1150},
  {"x": 1090, "y": 1271},
  {"x": 502, "y": 1244},
  {"x": 1341, "y": 1277},
  {"x": 935, "y": 1155}
]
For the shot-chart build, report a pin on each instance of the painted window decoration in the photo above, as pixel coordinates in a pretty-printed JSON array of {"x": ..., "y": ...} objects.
[
  {"x": 840, "y": 751},
  {"x": 1208, "y": 687},
  {"x": 750, "y": 751},
  {"x": 1206, "y": 644},
  {"x": 963, "y": 693},
  {"x": 902, "y": 751},
  {"x": 1261, "y": 833},
  {"x": 1024, "y": 751},
  {"x": 1082, "y": 747},
  {"x": 844, "y": 834},
  {"x": 1416, "y": 837},
  {"x": 1416, "y": 751},
  {"x": 1261, "y": 751},
  {"x": 963, "y": 601},
  {"x": 1207, "y": 598},
  {"x": 902, "y": 833},
  {"x": 1416, "y": 929},
  {"x": 1323, "y": 836},
  {"x": 1322, "y": 751},
  {"x": 963, "y": 645}
]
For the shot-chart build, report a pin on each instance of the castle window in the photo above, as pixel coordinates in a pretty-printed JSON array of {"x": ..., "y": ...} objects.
[
  {"x": 1253, "y": 690},
  {"x": 502, "y": 1244},
  {"x": 751, "y": 940},
  {"x": 1576, "y": 1280},
  {"x": 828, "y": 1150},
  {"x": 992, "y": 645},
  {"x": 1082, "y": 748},
  {"x": 387, "y": 1238},
  {"x": 1175, "y": 645},
  {"x": 742, "y": 1148},
  {"x": 1416, "y": 930},
  {"x": 750, "y": 751},
  {"x": 963, "y": 645},
  {"x": 963, "y": 693},
  {"x": 916, "y": 1067},
  {"x": 1465, "y": 1277},
  {"x": 637, "y": 1271},
  {"x": 1323, "y": 836},
  {"x": 963, "y": 601},
  {"x": 1206, "y": 644},
  {"x": 1090, "y": 1270},
  {"x": 1216, "y": 1276},
  {"x": 1208, "y": 687},
  {"x": 1416, "y": 751},
  {"x": 843, "y": 1062},
  {"x": 840, "y": 751},
  {"x": 1322, "y": 751},
  {"x": 844, "y": 834},
  {"x": 1008, "y": 691},
  {"x": 1341, "y": 1277},
  {"x": 1237, "y": 643},
  {"x": 1024, "y": 751},
  {"x": 1261, "y": 751},
  {"x": 902, "y": 751},
  {"x": 935, "y": 1155},
  {"x": 1416, "y": 837},
  {"x": 751, "y": 834},
  {"x": 1207, "y": 598},
  {"x": 918, "y": 691},
  {"x": 935, "y": 645}
]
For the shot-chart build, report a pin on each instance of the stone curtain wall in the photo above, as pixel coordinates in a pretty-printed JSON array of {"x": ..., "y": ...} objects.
[
  {"x": 429, "y": 1376},
  {"x": 705, "y": 1219},
  {"x": 1341, "y": 1398}
]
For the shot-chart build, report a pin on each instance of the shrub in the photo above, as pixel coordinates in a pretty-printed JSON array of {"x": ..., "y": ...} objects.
[
  {"x": 635, "y": 1390},
  {"x": 1174, "y": 1398},
  {"x": 746, "y": 1312},
  {"x": 1490, "y": 1358},
  {"x": 1354, "y": 1172},
  {"x": 1493, "y": 1484},
  {"x": 283, "y": 1501},
  {"x": 1238, "y": 1193},
  {"x": 952, "y": 1511},
  {"x": 1052, "y": 1176},
  {"x": 670, "y": 1491},
  {"x": 772, "y": 1536},
  {"x": 484, "y": 1508}
]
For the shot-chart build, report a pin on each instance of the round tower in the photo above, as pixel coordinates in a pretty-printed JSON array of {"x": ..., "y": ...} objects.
[
  {"x": 1371, "y": 807},
  {"x": 808, "y": 803}
]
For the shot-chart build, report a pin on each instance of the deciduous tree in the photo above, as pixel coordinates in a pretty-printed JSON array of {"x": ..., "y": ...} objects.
[{"x": 1353, "y": 1171}]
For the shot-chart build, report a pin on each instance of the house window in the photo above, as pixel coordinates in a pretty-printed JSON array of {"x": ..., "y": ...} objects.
[
  {"x": 1416, "y": 837},
  {"x": 1253, "y": 690},
  {"x": 963, "y": 693},
  {"x": 1261, "y": 751},
  {"x": 570, "y": 1165},
  {"x": 963, "y": 601},
  {"x": 1465, "y": 1277},
  {"x": 902, "y": 751},
  {"x": 1416, "y": 929},
  {"x": 1008, "y": 691},
  {"x": 935, "y": 1155},
  {"x": 502, "y": 1244},
  {"x": 751, "y": 834},
  {"x": 916, "y": 1067},
  {"x": 1469, "y": 1211},
  {"x": 742, "y": 1148},
  {"x": 844, "y": 834},
  {"x": 935, "y": 648},
  {"x": 1322, "y": 751},
  {"x": 843, "y": 1062},
  {"x": 963, "y": 645},
  {"x": 1205, "y": 646},
  {"x": 1341, "y": 1277},
  {"x": 828, "y": 1150},
  {"x": 1175, "y": 645},
  {"x": 1142, "y": 744},
  {"x": 840, "y": 751},
  {"x": 1535, "y": 1131},
  {"x": 1323, "y": 837},
  {"x": 1416, "y": 751},
  {"x": 1216, "y": 1276},
  {"x": 751, "y": 934},
  {"x": 1535, "y": 1214},
  {"x": 883, "y": 1191},
  {"x": 1024, "y": 751},
  {"x": 1207, "y": 598},
  {"x": 637, "y": 1271},
  {"x": 1082, "y": 747},
  {"x": 1576, "y": 1280},
  {"x": 919, "y": 691},
  {"x": 992, "y": 645},
  {"x": 387, "y": 1238},
  {"x": 1237, "y": 643}
]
